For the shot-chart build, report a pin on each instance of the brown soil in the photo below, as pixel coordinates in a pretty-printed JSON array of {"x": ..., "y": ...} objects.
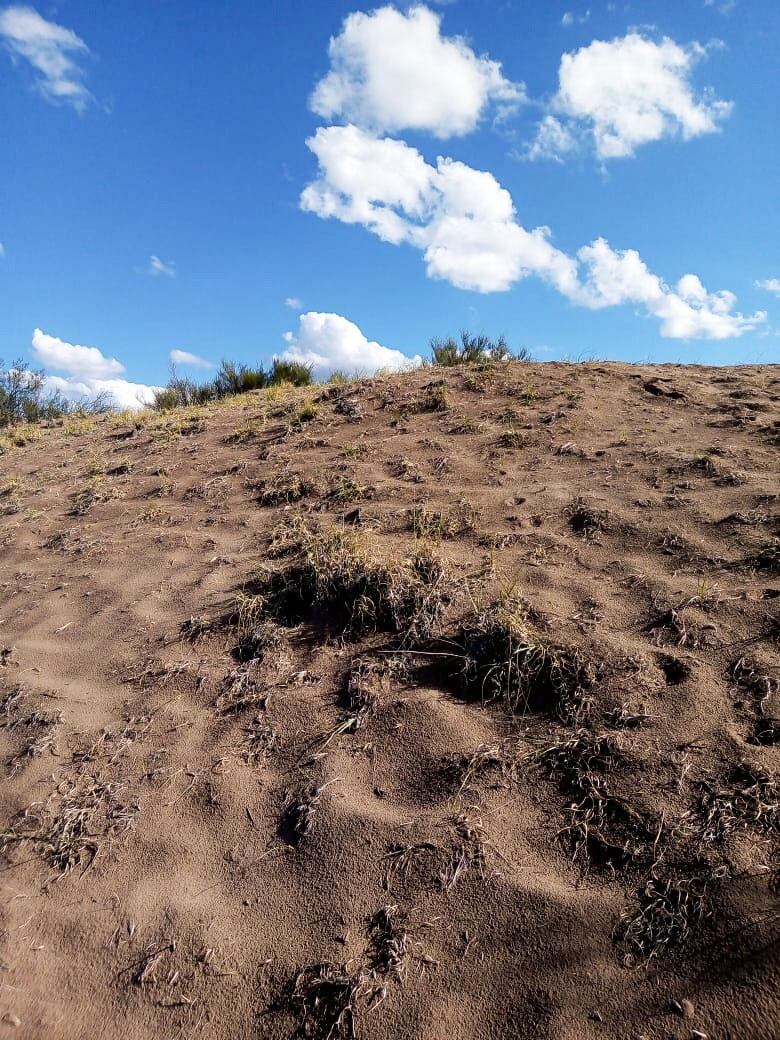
[{"x": 258, "y": 782}]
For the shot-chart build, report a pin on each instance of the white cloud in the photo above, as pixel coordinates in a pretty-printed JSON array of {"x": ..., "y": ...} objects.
[
  {"x": 119, "y": 393},
  {"x": 724, "y": 8},
  {"x": 87, "y": 362},
  {"x": 392, "y": 71},
  {"x": 553, "y": 140},
  {"x": 2, "y": 250},
  {"x": 465, "y": 224},
  {"x": 770, "y": 284},
  {"x": 160, "y": 269},
  {"x": 461, "y": 218},
  {"x": 294, "y": 303},
  {"x": 90, "y": 373},
  {"x": 183, "y": 357},
  {"x": 686, "y": 312},
  {"x": 329, "y": 342},
  {"x": 570, "y": 18},
  {"x": 51, "y": 49},
  {"x": 626, "y": 92}
]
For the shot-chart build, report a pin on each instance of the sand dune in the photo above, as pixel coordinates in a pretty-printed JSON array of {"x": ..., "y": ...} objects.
[{"x": 445, "y": 708}]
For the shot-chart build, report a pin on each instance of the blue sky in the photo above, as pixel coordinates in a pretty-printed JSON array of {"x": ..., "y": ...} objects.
[{"x": 157, "y": 191}]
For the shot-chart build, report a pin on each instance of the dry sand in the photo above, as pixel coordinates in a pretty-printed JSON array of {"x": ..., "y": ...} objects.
[{"x": 195, "y": 845}]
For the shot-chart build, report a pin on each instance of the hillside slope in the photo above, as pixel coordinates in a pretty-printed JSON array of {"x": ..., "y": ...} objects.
[{"x": 437, "y": 705}]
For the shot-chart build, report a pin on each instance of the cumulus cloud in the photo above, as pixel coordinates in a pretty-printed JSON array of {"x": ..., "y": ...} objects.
[
  {"x": 329, "y": 343},
  {"x": 87, "y": 362},
  {"x": 392, "y": 71},
  {"x": 770, "y": 284},
  {"x": 465, "y": 224},
  {"x": 160, "y": 269},
  {"x": 183, "y": 357},
  {"x": 118, "y": 393},
  {"x": 294, "y": 303},
  {"x": 686, "y": 312},
  {"x": 553, "y": 140},
  {"x": 461, "y": 218},
  {"x": 89, "y": 373},
  {"x": 626, "y": 92},
  {"x": 52, "y": 50}
]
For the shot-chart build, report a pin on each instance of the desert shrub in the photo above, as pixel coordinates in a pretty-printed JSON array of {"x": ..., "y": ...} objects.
[
  {"x": 294, "y": 372},
  {"x": 238, "y": 379},
  {"x": 231, "y": 379},
  {"x": 24, "y": 399},
  {"x": 472, "y": 350}
]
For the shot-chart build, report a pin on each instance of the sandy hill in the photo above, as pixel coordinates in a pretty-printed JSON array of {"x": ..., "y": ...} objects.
[{"x": 441, "y": 705}]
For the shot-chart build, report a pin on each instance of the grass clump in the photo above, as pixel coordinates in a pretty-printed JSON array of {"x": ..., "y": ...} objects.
[
  {"x": 663, "y": 916},
  {"x": 767, "y": 557},
  {"x": 465, "y": 770},
  {"x": 429, "y": 524},
  {"x": 336, "y": 579},
  {"x": 470, "y": 350},
  {"x": 294, "y": 373},
  {"x": 389, "y": 943},
  {"x": 78, "y": 819},
  {"x": 284, "y": 487},
  {"x": 298, "y": 810},
  {"x": 323, "y": 996},
  {"x": 503, "y": 661},
  {"x": 602, "y": 827},
  {"x": 230, "y": 380},
  {"x": 749, "y": 799},
  {"x": 585, "y": 520}
]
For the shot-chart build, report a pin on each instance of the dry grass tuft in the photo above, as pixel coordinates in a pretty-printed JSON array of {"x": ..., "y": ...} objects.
[
  {"x": 298, "y": 810},
  {"x": 239, "y": 692},
  {"x": 503, "y": 661},
  {"x": 337, "y": 579},
  {"x": 259, "y": 741},
  {"x": 79, "y": 818},
  {"x": 585, "y": 520},
  {"x": 323, "y": 996},
  {"x": 285, "y": 487},
  {"x": 467, "y": 854},
  {"x": 389, "y": 943},
  {"x": 662, "y": 918},
  {"x": 749, "y": 799},
  {"x": 603, "y": 827},
  {"x": 401, "y": 861},
  {"x": 767, "y": 557},
  {"x": 498, "y": 759}
]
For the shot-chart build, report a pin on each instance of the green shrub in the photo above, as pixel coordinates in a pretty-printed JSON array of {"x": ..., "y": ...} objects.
[
  {"x": 23, "y": 398},
  {"x": 294, "y": 372},
  {"x": 238, "y": 379},
  {"x": 473, "y": 350}
]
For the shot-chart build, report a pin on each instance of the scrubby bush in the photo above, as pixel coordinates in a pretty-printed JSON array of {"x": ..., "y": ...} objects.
[
  {"x": 23, "y": 397},
  {"x": 472, "y": 350},
  {"x": 231, "y": 379},
  {"x": 238, "y": 379},
  {"x": 294, "y": 372}
]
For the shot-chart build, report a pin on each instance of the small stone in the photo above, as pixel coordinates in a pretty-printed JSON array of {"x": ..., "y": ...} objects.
[{"x": 12, "y": 1020}]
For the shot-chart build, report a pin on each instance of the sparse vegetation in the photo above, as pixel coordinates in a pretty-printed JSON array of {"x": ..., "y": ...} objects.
[
  {"x": 230, "y": 380},
  {"x": 504, "y": 661},
  {"x": 471, "y": 349},
  {"x": 24, "y": 398},
  {"x": 339, "y": 580},
  {"x": 663, "y": 916}
]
